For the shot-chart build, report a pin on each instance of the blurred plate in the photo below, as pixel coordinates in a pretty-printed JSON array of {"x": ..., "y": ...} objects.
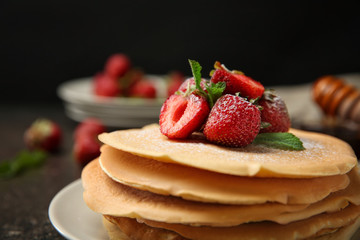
[{"x": 81, "y": 103}]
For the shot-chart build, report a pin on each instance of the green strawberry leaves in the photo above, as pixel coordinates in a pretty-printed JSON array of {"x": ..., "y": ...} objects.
[
  {"x": 214, "y": 91},
  {"x": 280, "y": 140}
]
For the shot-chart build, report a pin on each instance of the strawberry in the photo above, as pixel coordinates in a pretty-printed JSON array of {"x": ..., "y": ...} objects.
[
  {"x": 181, "y": 115},
  {"x": 189, "y": 84},
  {"x": 86, "y": 145},
  {"x": 175, "y": 80},
  {"x": 43, "y": 134},
  {"x": 105, "y": 85},
  {"x": 232, "y": 122},
  {"x": 142, "y": 89},
  {"x": 237, "y": 82},
  {"x": 274, "y": 112},
  {"x": 186, "y": 111},
  {"x": 89, "y": 127},
  {"x": 85, "y": 150},
  {"x": 117, "y": 65}
]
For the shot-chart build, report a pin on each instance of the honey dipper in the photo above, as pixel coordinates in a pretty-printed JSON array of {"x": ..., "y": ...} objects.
[{"x": 337, "y": 98}]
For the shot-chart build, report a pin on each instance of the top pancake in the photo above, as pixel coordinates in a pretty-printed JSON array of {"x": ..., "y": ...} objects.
[{"x": 323, "y": 155}]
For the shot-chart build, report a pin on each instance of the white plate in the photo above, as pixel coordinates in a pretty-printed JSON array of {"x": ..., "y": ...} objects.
[
  {"x": 80, "y": 103},
  {"x": 71, "y": 217}
]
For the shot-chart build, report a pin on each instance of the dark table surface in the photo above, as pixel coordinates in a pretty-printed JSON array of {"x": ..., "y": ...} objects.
[{"x": 24, "y": 199}]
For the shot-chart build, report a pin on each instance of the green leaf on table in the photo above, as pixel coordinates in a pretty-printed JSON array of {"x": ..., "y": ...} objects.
[{"x": 23, "y": 160}]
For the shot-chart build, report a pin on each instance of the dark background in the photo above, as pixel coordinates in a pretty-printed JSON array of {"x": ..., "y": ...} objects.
[{"x": 44, "y": 43}]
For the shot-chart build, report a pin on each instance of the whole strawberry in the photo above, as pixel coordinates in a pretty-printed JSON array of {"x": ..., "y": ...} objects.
[
  {"x": 237, "y": 82},
  {"x": 189, "y": 84},
  {"x": 89, "y": 128},
  {"x": 117, "y": 65},
  {"x": 274, "y": 112},
  {"x": 86, "y": 144},
  {"x": 43, "y": 134},
  {"x": 233, "y": 122},
  {"x": 175, "y": 79},
  {"x": 142, "y": 89},
  {"x": 181, "y": 115},
  {"x": 106, "y": 86}
]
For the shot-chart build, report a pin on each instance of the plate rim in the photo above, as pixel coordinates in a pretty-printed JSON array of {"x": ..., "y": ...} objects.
[
  {"x": 52, "y": 205},
  {"x": 56, "y": 222}
]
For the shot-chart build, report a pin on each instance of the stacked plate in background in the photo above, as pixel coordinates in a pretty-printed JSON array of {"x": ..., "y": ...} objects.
[{"x": 81, "y": 103}]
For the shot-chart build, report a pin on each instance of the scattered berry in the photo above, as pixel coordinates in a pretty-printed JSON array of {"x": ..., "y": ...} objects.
[
  {"x": 86, "y": 144},
  {"x": 85, "y": 150},
  {"x": 274, "y": 112},
  {"x": 237, "y": 82},
  {"x": 117, "y": 65},
  {"x": 181, "y": 115},
  {"x": 232, "y": 122},
  {"x": 89, "y": 127},
  {"x": 43, "y": 134}
]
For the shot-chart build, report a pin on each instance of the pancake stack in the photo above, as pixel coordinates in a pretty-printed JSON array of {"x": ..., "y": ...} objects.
[{"x": 149, "y": 187}]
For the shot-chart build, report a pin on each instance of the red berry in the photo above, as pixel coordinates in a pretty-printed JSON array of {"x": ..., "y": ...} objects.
[
  {"x": 142, "y": 89},
  {"x": 89, "y": 127},
  {"x": 175, "y": 81},
  {"x": 86, "y": 145},
  {"x": 105, "y": 85},
  {"x": 43, "y": 134},
  {"x": 85, "y": 150},
  {"x": 233, "y": 122},
  {"x": 190, "y": 82},
  {"x": 182, "y": 115},
  {"x": 274, "y": 111},
  {"x": 238, "y": 83},
  {"x": 117, "y": 65}
]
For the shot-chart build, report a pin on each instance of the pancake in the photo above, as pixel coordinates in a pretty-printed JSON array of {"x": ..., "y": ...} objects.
[
  {"x": 202, "y": 185},
  {"x": 324, "y": 155},
  {"x": 108, "y": 197},
  {"x": 335, "y": 226},
  {"x": 306, "y": 228}
]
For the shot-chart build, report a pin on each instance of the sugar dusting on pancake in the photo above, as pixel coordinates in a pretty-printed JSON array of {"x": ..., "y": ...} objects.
[{"x": 320, "y": 158}]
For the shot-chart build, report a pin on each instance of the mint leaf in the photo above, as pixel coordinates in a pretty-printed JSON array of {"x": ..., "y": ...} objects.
[
  {"x": 215, "y": 91},
  {"x": 22, "y": 161},
  {"x": 280, "y": 140},
  {"x": 196, "y": 71}
]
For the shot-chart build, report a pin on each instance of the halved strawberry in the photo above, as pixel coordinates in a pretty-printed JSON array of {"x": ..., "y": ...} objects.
[
  {"x": 232, "y": 122},
  {"x": 237, "y": 82},
  {"x": 274, "y": 112},
  {"x": 181, "y": 115}
]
